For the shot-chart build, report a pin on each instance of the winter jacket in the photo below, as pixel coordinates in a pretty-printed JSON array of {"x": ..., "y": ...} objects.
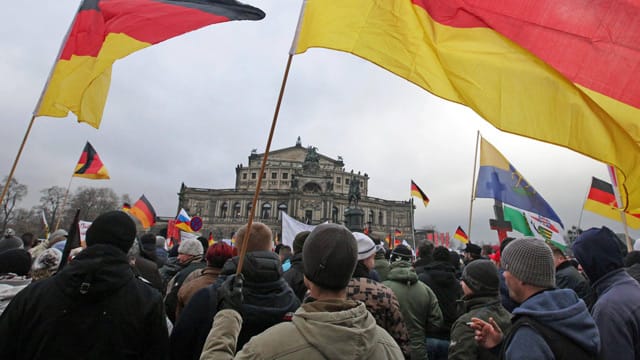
[
  {"x": 559, "y": 309},
  {"x": 383, "y": 305},
  {"x": 295, "y": 276},
  {"x": 329, "y": 329},
  {"x": 198, "y": 279},
  {"x": 418, "y": 304},
  {"x": 634, "y": 271},
  {"x": 173, "y": 288},
  {"x": 463, "y": 344},
  {"x": 381, "y": 265},
  {"x": 95, "y": 308},
  {"x": 268, "y": 300},
  {"x": 617, "y": 313},
  {"x": 10, "y": 286},
  {"x": 441, "y": 278},
  {"x": 148, "y": 270},
  {"x": 568, "y": 277}
]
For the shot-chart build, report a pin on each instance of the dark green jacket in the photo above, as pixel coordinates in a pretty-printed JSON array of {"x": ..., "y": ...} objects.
[{"x": 381, "y": 265}]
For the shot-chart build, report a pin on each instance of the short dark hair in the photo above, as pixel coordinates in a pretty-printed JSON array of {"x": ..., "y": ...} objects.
[{"x": 425, "y": 250}]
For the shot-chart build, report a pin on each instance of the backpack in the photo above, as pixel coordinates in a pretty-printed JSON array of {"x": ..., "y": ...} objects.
[{"x": 562, "y": 347}]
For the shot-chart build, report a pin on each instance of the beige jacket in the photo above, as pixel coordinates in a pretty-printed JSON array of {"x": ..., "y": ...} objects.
[{"x": 331, "y": 329}]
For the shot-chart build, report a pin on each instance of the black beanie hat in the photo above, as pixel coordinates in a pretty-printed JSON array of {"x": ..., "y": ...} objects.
[
  {"x": 473, "y": 249},
  {"x": 481, "y": 276},
  {"x": 17, "y": 261},
  {"x": 298, "y": 241},
  {"x": 329, "y": 256},
  {"x": 401, "y": 252},
  {"x": 441, "y": 253},
  {"x": 112, "y": 228}
]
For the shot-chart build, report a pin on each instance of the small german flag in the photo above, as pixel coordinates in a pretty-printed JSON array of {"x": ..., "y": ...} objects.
[
  {"x": 144, "y": 212},
  {"x": 461, "y": 236},
  {"x": 415, "y": 191},
  {"x": 602, "y": 201},
  {"x": 90, "y": 166}
]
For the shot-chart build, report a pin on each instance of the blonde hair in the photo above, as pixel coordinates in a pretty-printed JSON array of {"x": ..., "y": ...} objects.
[{"x": 260, "y": 237}]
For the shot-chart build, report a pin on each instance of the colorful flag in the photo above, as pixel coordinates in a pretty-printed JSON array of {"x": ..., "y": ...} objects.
[
  {"x": 90, "y": 166},
  {"x": 498, "y": 179},
  {"x": 461, "y": 236},
  {"x": 398, "y": 232},
  {"x": 518, "y": 220},
  {"x": 144, "y": 212},
  {"x": 417, "y": 192},
  {"x": 183, "y": 221},
  {"x": 531, "y": 224},
  {"x": 107, "y": 30},
  {"x": 602, "y": 201},
  {"x": 502, "y": 59}
]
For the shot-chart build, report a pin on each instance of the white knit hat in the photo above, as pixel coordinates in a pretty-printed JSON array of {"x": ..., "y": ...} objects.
[
  {"x": 191, "y": 247},
  {"x": 366, "y": 246}
]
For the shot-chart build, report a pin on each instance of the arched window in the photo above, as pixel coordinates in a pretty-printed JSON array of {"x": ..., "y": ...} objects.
[
  {"x": 380, "y": 218},
  {"x": 334, "y": 215},
  {"x": 248, "y": 209},
  {"x": 282, "y": 208},
  {"x": 236, "y": 210},
  {"x": 266, "y": 211},
  {"x": 223, "y": 210}
]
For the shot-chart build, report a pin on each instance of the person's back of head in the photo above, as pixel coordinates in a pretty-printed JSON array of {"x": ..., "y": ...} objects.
[
  {"x": 15, "y": 261},
  {"x": 401, "y": 253},
  {"x": 474, "y": 250},
  {"x": 11, "y": 243},
  {"x": 441, "y": 254},
  {"x": 425, "y": 250},
  {"x": 285, "y": 253},
  {"x": 114, "y": 228},
  {"x": 298, "y": 241},
  {"x": 205, "y": 244},
  {"x": 27, "y": 240},
  {"x": 260, "y": 237},
  {"x": 530, "y": 260},
  {"x": 598, "y": 252},
  {"x": 481, "y": 278},
  {"x": 218, "y": 254},
  {"x": 330, "y": 254}
]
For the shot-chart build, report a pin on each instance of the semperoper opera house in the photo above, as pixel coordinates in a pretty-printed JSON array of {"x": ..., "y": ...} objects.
[{"x": 308, "y": 186}]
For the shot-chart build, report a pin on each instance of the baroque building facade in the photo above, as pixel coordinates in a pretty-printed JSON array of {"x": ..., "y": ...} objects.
[{"x": 308, "y": 186}]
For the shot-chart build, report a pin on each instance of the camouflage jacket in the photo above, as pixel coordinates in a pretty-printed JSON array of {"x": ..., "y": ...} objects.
[{"x": 383, "y": 305}]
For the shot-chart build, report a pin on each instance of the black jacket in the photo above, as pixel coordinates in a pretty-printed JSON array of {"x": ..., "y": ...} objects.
[
  {"x": 568, "y": 277},
  {"x": 440, "y": 277},
  {"x": 267, "y": 301},
  {"x": 95, "y": 308},
  {"x": 295, "y": 276}
]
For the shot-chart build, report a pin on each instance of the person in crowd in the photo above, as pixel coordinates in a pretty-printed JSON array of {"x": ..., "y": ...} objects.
[
  {"x": 418, "y": 303},
  {"x": 379, "y": 299},
  {"x": 505, "y": 299},
  {"x": 145, "y": 269},
  {"x": 617, "y": 309},
  {"x": 472, "y": 252},
  {"x": 568, "y": 276},
  {"x": 27, "y": 240},
  {"x": 440, "y": 276},
  {"x": 328, "y": 327},
  {"x": 46, "y": 264},
  {"x": 549, "y": 323},
  {"x": 205, "y": 244},
  {"x": 295, "y": 275},
  {"x": 147, "y": 246},
  {"x": 10, "y": 241},
  {"x": 285, "y": 257},
  {"x": 190, "y": 259},
  {"x": 217, "y": 255},
  {"x": 95, "y": 307},
  {"x": 381, "y": 263},
  {"x": 456, "y": 261},
  {"x": 632, "y": 263},
  {"x": 55, "y": 237},
  {"x": 425, "y": 252},
  {"x": 161, "y": 251},
  {"x": 268, "y": 299},
  {"x": 14, "y": 271},
  {"x": 480, "y": 285}
]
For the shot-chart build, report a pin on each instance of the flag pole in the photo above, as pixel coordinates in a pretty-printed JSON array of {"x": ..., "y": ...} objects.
[
  {"x": 623, "y": 214},
  {"x": 15, "y": 162},
  {"x": 64, "y": 203},
  {"x": 413, "y": 230},
  {"x": 473, "y": 183},
  {"x": 245, "y": 241}
]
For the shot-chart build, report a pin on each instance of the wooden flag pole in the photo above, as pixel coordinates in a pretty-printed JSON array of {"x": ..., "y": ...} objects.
[
  {"x": 245, "y": 241},
  {"x": 15, "y": 162},
  {"x": 64, "y": 203},
  {"x": 473, "y": 185},
  {"x": 413, "y": 230}
]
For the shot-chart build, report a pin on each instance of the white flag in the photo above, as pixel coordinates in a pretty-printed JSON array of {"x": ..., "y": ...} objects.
[{"x": 291, "y": 227}]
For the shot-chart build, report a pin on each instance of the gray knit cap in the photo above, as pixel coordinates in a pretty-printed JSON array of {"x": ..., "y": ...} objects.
[{"x": 530, "y": 260}]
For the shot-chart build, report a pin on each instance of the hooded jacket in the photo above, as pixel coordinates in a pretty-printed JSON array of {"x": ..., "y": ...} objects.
[
  {"x": 330, "y": 329},
  {"x": 94, "y": 308},
  {"x": 559, "y": 309},
  {"x": 10, "y": 286},
  {"x": 295, "y": 276},
  {"x": 418, "y": 304},
  {"x": 268, "y": 300},
  {"x": 440, "y": 276}
]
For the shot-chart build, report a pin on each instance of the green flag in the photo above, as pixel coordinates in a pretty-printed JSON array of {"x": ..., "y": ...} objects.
[{"x": 518, "y": 221}]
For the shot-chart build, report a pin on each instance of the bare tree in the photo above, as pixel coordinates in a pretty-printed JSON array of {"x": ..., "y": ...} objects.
[
  {"x": 92, "y": 202},
  {"x": 24, "y": 220},
  {"x": 15, "y": 194},
  {"x": 51, "y": 203}
]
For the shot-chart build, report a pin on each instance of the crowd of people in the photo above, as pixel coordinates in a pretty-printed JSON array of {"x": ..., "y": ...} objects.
[{"x": 332, "y": 294}]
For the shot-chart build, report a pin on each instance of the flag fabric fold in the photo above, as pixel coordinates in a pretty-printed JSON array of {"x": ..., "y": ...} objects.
[
  {"x": 498, "y": 179},
  {"x": 417, "y": 192},
  {"x": 461, "y": 236},
  {"x": 183, "y": 221},
  {"x": 602, "y": 201},
  {"x": 531, "y": 224},
  {"x": 291, "y": 227},
  {"x": 104, "y": 31},
  {"x": 144, "y": 212},
  {"x": 530, "y": 68},
  {"x": 90, "y": 166}
]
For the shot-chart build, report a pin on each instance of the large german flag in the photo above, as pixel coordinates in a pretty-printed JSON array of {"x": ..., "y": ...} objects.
[
  {"x": 144, "y": 212},
  {"x": 106, "y": 30},
  {"x": 90, "y": 166},
  {"x": 602, "y": 201},
  {"x": 564, "y": 72}
]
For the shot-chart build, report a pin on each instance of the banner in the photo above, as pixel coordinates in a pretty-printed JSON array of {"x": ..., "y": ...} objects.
[{"x": 291, "y": 227}]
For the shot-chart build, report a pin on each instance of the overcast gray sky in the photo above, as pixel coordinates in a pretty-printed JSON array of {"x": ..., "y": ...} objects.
[{"x": 192, "y": 108}]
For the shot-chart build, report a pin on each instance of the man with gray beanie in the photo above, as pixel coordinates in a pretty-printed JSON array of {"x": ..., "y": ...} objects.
[
  {"x": 327, "y": 327},
  {"x": 616, "y": 310},
  {"x": 94, "y": 308},
  {"x": 549, "y": 323}
]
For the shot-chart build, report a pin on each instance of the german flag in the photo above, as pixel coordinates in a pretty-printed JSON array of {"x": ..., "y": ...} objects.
[
  {"x": 90, "y": 166},
  {"x": 602, "y": 201},
  {"x": 563, "y": 72},
  {"x": 461, "y": 236},
  {"x": 417, "y": 192},
  {"x": 144, "y": 212},
  {"x": 107, "y": 30}
]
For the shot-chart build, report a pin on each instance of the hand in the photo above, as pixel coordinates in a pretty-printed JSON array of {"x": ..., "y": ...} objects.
[
  {"x": 487, "y": 334},
  {"x": 230, "y": 293}
]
